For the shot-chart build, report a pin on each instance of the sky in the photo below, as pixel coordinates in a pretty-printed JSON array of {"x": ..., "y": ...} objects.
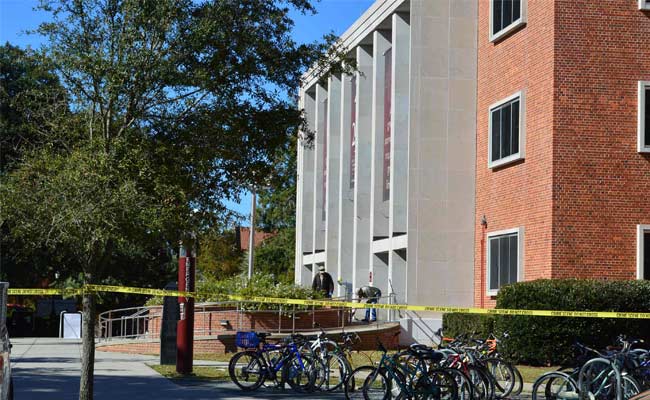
[{"x": 18, "y": 16}]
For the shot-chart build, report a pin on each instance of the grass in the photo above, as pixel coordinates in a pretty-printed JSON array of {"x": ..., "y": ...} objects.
[
  {"x": 213, "y": 357},
  {"x": 530, "y": 374},
  {"x": 207, "y": 373}
]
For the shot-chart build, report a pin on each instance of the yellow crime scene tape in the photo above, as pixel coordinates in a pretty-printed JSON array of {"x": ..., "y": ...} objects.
[{"x": 301, "y": 302}]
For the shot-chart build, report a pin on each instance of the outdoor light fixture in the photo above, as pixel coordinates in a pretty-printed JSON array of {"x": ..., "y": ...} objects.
[
  {"x": 484, "y": 221},
  {"x": 224, "y": 323}
]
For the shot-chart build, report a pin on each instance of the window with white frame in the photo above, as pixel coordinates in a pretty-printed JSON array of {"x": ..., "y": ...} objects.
[
  {"x": 644, "y": 117},
  {"x": 504, "y": 258},
  {"x": 644, "y": 4},
  {"x": 507, "y": 130},
  {"x": 506, "y": 16},
  {"x": 643, "y": 252}
]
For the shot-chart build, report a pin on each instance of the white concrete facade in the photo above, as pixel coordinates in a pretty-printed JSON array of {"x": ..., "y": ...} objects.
[{"x": 386, "y": 186}]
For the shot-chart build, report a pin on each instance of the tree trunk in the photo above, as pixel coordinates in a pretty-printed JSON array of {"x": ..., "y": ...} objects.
[{"x": 88, "y": 348}]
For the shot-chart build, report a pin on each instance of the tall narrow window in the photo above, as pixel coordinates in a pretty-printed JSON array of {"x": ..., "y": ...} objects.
[
  {"x": 388, "y": 84},
  {"x": 353, "y": 129},
  {"x": 646, "y": 260},
  {"x": 506, "y": 131},
  {"x": 504, "y": 258},
  {"x": 644, "y": 117},
  {"x": 643, "y": 252},
  {"x": 506, "y": 16}
]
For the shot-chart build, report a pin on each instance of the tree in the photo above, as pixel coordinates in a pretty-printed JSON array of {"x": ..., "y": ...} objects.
[
  {"x": 32, "y": 102},
  {"x": 277, "y": 213},
  {"x": 219, "y": 255},
  {"x": 176, "y": 103}
]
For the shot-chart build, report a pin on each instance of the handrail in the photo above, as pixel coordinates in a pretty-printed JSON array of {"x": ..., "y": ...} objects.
[{"x": 135, "y": 322}]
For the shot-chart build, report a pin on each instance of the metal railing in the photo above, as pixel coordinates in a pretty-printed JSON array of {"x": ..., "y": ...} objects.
[{"x": 145, "y": 322}]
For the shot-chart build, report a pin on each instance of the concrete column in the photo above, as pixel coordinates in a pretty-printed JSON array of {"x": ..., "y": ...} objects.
[
  {"x": 333, "y": 168},
  {"x": 306, "y": 193},
  {"x": 346, "y": 186},
  {"x": 442, "y": 151},
  {"x": 319, "y": 163},
  {"x": 401, "y": 52},
  {"x": 307, "y": 180},
  {"x": 378, "y": 204},
  {"x": 297, "y": 271},
  {"x": 363, "y": 187}
]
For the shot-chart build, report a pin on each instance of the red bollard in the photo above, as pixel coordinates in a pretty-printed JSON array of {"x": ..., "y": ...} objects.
[{"x": 185, "y": 328}]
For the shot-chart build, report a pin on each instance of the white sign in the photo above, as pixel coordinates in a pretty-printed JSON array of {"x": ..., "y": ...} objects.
[{"x": 70, "y": 325}]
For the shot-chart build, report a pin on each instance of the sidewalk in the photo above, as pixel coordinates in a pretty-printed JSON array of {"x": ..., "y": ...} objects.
[{"x": 49, "y": 369}]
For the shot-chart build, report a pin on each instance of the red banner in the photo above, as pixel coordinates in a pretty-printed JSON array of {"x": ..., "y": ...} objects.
[
  {"x": 388, "y": 79},
  {"x": 353, "y": 130}
]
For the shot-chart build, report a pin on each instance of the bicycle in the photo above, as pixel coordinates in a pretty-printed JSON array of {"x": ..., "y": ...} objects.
[
  {"x": 392, "y": 379},
  {"x": 337, "y": 366},
  {"x": 261, "y": 361}
]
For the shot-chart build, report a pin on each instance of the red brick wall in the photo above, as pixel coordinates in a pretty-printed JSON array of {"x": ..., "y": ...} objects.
[
  {"x": 601, "y": 183},
  {"x": 518, "y": 194},
  {"x": 226, "y": 345},
  {"x": 582, "y": 188},
  {"x": 209, "y": 322}
]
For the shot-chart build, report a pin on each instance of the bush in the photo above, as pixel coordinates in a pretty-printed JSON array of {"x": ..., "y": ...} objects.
[
  {"x": 480, "y": 326},
  {"x": 549, "y": 340},
  {"x": 264, "y": 285}
]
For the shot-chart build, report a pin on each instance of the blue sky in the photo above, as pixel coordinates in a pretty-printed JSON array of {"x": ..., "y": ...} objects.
[{"x": 18, "y": 16}]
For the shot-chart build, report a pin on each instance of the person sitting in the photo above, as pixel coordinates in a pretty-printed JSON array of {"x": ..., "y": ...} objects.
[
  {"x": 323, "y": 282},
  {"x": 372, "y": 294}
]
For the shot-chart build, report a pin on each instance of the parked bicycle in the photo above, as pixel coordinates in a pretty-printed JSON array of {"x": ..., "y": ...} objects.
[{"x": 278, "y": 364}]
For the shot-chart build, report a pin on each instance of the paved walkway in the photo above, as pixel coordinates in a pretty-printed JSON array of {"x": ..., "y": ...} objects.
[{"x": 49, "y": 368}]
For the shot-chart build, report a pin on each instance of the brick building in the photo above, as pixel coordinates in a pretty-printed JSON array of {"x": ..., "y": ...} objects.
[
  {"x": 552, "y": 182},
  {"x": 565, "y": 192}
]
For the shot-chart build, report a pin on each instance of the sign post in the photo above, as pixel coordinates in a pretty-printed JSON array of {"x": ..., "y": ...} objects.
[{"x": 185, "y": 328}]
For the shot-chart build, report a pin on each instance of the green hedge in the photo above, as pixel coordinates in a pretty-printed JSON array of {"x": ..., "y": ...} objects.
[
  {"x": 476, "y": 324},
  {"x": 549, "y": 340}
]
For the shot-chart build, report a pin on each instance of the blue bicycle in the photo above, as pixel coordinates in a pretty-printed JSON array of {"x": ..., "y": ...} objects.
[{"x": 275, "y": 363}]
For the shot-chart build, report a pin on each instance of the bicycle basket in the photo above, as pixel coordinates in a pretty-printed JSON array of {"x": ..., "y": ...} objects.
[{"x": 247, "y": 340}]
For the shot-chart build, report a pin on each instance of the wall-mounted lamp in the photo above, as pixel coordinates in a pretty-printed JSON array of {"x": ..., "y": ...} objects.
[{"x": 484, "y": 221}]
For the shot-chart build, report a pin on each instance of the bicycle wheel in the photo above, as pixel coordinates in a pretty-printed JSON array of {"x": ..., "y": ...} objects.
[
  {"x": 631, "y": 387},
  {"x": 555, "y": 386},
  {"x": 437, "y": 384},
  {"x": 483, "y": 385},
  {"x": 301, "y": 372},
  {"x": 336, "y": 370},
  {"x": 377, "y": 386},
  {"x": 354, "y": 382},
  {"x": 502, "y": 375},
  {"x": 519, "y": 383},
  {"x": 273, "y": 379},
  {"x": 465, "y": 387},
  {"x": 365, "y": 383},
  {"x": 247, "y": 370},
  {"x": 358, "y": 359},
  {"x": 597, "y": 379}
]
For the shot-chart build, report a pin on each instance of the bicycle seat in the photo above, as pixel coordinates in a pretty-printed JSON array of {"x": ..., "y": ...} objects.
[
  {"x": 263, "y": 335},
  {"x": 427, "y": 354},
  {"x": 420, "y": 347},
  {"x": 297, "y": 338}
]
